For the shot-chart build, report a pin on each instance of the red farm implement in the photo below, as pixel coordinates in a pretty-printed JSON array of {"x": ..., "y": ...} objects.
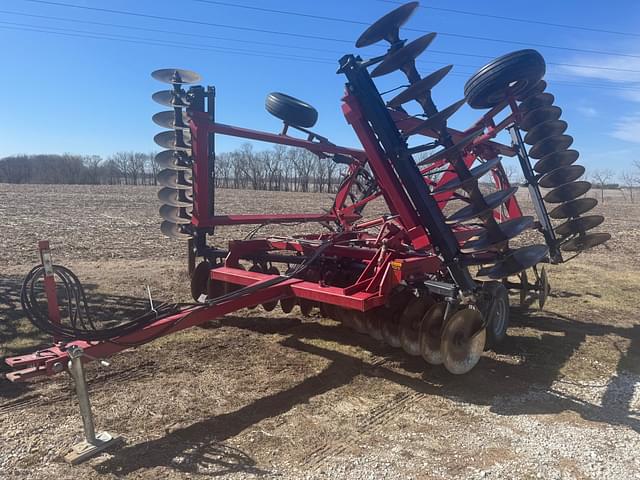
[{"x": 431, "y": 276}]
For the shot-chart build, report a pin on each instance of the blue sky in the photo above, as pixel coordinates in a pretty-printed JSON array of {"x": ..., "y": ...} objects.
[{"x": 64, "y": 90}]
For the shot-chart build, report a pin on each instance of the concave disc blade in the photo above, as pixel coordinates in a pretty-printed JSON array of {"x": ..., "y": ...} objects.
[
  {"x": 476, "y": 173},
  {"x": 373, "y": 321},
  {"x": 535, "y": 89},
  {"x": 181, "y": 215},
  {"x": 431, "y": 332},
  {"x": 457, "y": 147},
  {"x": 175, "y": 198},
  {"x": 578, "y": 225},
  {"x": 269, "y": 306},
  {"x": 544, "y": 130},
  {"x": 535, "y": 101},
  {"x": 555, "y": 160},
  {"x": 410, "y": 320},
  {"x": 573, "y": 208},
  {"x": 386, "y": 25},
  {"x": 492, "y": 201},
  {"x": 517, "y": 261},
  {"x": 403, "y": 55},
  {"x": 180, "y": 180},
  {"x": 173, "y": 230},
  {"x": 420, "y": 87},
  {"x": 172, "y": 141},
  {"x": 167, "y": 119},
  {"x": 176, "y": 76},
  {"x": 173, "y": 160},
  {"x": 549, "y": 145},
  {"x": 169, "y": 98},
  {"x": 543, "y": 288},
  {"x": 539, "y": 115},
  {"x": 560, "y": 176},
  {"x": 509, "y": 229},
  {"x": 463, "y": 341},
  {"x": 584, "y": 242},
  {"x": 567, "y": 192},
  {"x": 437, "y": 120}
]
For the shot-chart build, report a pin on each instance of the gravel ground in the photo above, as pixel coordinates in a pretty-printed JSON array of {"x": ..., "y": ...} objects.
[{"x": 274, "y": 395}]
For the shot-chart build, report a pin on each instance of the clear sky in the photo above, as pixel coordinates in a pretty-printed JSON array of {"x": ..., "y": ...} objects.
[{"x": 77, "y": 80}]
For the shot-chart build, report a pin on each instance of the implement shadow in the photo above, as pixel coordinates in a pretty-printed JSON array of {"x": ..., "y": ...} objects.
[{"x": 508, "y": 389}]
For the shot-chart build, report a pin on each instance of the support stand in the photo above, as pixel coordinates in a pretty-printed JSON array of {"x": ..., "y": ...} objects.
[{"x": 93, "y": 443}]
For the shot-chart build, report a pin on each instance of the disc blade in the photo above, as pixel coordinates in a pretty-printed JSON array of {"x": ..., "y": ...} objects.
[
  {"x": 431, "y": 332},
  {"x": 475, "y": 173},
  {"x": 410, "y": 321},
  {"x": 567, "y": 192},
  {"x": 509, "y": 229},
  {"x": 560, "y": 176},
  {"x": 573, "y": 208},
  {"x": 167, "y": 119},
  {"x": 463, "y": 341},
  {"x": 534, "y": 101},
  {"x": 180, "y": 215},
  {"x": 549, "y": 145},
  {"x": 386, "y": 25},
  {"x": 544, "y": 130},
  {"x": 437, "y": 120},
  {"x": 543, "y": 288},
  {"x": 457, "y": 147},
  {"x": 181, "y": 180},
  {"x": 535, "y": 89},
  {"x": 174, "y": 140},
  {"x": 517, "y": 261},
  {"x": 168, "y": 98},
  {"x": 555, "y": 160},
  {"x": 173, "y": 160},
  {"x": 419, "y": 88},
  {"x": 373, "y": 323},
  {"x": 578, "y": 225},
  {"x": 492, "y": 201},
  {"x": 403, "y": 55},
  {"x": 173, "y": 230},
  {"x": 584, "y": 242},
  {"x": 175, "y": 198},
  {"x": 176, "y": 76},
  {"x": 539, "y": 115}
]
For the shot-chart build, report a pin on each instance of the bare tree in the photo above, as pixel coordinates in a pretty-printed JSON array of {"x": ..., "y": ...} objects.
[
  {"x": 629, "y": 180},
  {"x": 602, "y": 178}
]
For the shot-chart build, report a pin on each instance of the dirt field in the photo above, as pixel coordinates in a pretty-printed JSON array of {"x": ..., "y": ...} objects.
[{"x": 281, "y": 396}]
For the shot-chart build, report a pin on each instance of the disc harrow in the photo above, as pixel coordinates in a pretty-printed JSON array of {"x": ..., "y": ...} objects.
[{"x": 432, "y": 275}]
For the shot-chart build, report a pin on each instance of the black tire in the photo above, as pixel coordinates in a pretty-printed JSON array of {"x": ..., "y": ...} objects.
[
  {"x": 519, "y": 70},
  {"x": 496, "y": 309},
  {"x": 291, "y": 110}
]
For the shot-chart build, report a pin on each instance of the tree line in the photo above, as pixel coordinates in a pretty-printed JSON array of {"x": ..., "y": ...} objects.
[{"x": 281, "y": 168}]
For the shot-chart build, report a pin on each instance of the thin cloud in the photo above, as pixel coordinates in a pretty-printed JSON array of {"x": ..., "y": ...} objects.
[
  {"x": 627, "y": 128},
  {"x": 618, "y": 70},
  {"x": 588, "y": 111}
]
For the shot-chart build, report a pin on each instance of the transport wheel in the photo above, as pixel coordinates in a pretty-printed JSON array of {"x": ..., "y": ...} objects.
[
  {"x": 431, "y": 333},
  {"x": 199, "y": 279},
  {"x": 410, "y": 321},
  {"x": 497, "y": 313},
  {"x": 291, "y": 110},
  {"x": 510, "y": 74},
  {"x": 463, "y": 340}
]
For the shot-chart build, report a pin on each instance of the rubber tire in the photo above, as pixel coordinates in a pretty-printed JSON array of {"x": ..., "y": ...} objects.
[
  {"x": 487, "y": 87},
  {"x": 291, "y": 110},
  {"x": 499, "y": 292}
]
